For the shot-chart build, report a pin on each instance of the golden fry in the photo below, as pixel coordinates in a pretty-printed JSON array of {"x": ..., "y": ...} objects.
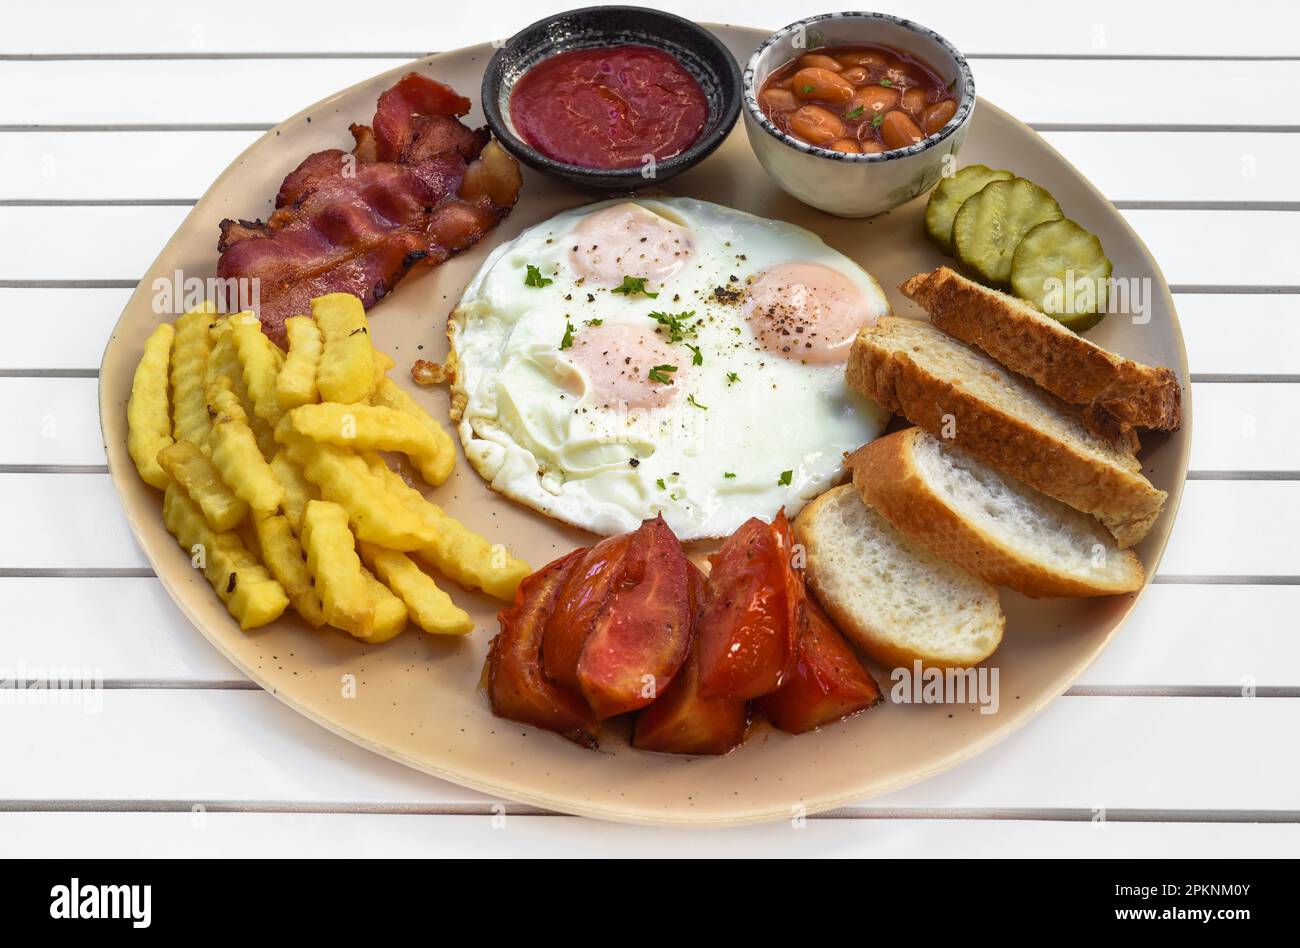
[
  {"x": 390, "y": 611},
  {"x": 388, "y": 394},
  {"x": 383, "y": 364},
  {"x": 347, "y": 367},
  {"x": 457, "y": 552},
  {"x": 333, "y": 563},
  {"x": 376, "y": 514},
  {"x": 371, "y": 428},
  {"x": 296, "y": 383},
  {"x": 283, "y": 557},
  {"x": 259, "y": 359},
  {"x": 198, "y": 477},
  {"x": 297, "y": 489},
  {"x": 237, "y": 456},
  {"x": 148, "y": 423},
  {"x": 250, "y": 593},
  {"x": 188, "y": 368},
  {"x": 430, "y": 608}
]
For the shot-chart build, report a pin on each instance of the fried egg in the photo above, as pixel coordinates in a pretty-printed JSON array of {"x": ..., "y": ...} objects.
[{"x": 637, "y": 357}]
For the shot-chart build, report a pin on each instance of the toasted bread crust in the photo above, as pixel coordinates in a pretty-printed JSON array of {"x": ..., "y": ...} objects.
[
  {"x": 886, "y": 475},
  {"x": 1115, "y": 393},
  {"x": 878, "y": 645},
  {"x": 1115, "y": 493}
]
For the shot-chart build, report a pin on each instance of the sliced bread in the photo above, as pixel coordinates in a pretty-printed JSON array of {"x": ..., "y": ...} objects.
[
  {"x": 898, "y": 602},
  {"x": 960, "y": 394},
  {"x": 989, "y": 524},
  {"x": 1114, "y": 393}
]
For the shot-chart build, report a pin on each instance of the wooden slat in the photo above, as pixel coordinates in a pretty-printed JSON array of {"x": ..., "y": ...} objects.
[
  {"x": 1257, "y": 27},
  {"x": 1232, "y": 248},
  {"x": 1246, "y": 427},
  {"x": 244, "y": 746},
  {"x": 266, "y": 91},
  {"x": 1179, "y": 636},
  {"x": 1125, "y": 166},
  {"x": 1225, "y": 528},
  {"x": 363, "y": 835}
]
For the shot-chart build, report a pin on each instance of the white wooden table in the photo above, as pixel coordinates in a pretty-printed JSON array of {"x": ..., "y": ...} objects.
[{"x": 115, "y": 117}]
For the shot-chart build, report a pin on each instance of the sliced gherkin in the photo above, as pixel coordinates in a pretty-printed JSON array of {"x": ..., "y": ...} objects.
[
  {"x": 1062, "y": 269},
  {"x": 992, "y": 222},
  {"x": 950, "y": 195}
]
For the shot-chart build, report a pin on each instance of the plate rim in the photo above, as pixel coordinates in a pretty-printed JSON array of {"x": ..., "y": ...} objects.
[{"x": 117, "y": 474}]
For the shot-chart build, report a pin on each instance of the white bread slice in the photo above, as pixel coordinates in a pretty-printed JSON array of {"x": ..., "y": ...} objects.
[
  {"x": 987, "y": 523},
  {"x": 898, "y": 602},
  {"x": 1115, "y": 393},
  {"x": 957, "y": 392}
]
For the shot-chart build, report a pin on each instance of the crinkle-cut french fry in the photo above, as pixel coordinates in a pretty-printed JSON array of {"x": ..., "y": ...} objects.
[
  {"x": 283, "y": 556},
  {"x": 296, "y": 383},
  {"x": 383, "y": 365},
  {"x": 238, "y": 458},
  {"x": 390, "y": 611},
  {"x": 371, "y": 428},
  {"x": 199, "y": 478},
  {"x": 225, "y": 372},
  {"x": 429, "y": 607},
  {"x": 260, "y": 361},
  {"x": 148, "y": 422},
  {"x": 376, "y": 514},
  {"x": 250, "y": 593},
  {"x": 297, "y": 489},
  {"x": 457, "y": 552},
  {"x": 189, "y": 366},
  {"x": 347, "y": 367},
  {"x": 333, "y": 563},
  {"x": 388, "y": 394}
]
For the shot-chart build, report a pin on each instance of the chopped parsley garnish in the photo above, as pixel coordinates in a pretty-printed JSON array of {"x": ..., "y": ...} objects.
[
  {"x": 534, "y": 278},
  {"x": 728, "y": 475},
  {"x": 697, "y": 357},
  {"x": 886, "y": 83},
  {"x": 675, "y": 323},
  {"x": 660, "y": 373},
  {"x": 631, "y": 286},
  {"x": 952, "y": 85},
  {"x": 732, "y": 377},
  {"x": 660, "y": 484},
  {"x": 785, "y": 478},
  {"x": 877, "y": 120},
  {"x": 592, "y": 322},
  {"x": 691, "y": 400},
  {"x": 855, "y": 113},
  {"x": 567, "y": 341},
  {"x": 807, "y": 90}
]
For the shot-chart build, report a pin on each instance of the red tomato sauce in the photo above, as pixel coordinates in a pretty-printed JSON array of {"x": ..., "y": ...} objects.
[{"x": 609, "y": 108}]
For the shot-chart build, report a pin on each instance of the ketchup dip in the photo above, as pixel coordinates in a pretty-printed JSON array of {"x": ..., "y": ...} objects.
[{"x": 608, "y": 108}]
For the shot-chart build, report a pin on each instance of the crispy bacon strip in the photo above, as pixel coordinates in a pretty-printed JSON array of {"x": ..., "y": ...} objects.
[{"x": 417, "y": 188}]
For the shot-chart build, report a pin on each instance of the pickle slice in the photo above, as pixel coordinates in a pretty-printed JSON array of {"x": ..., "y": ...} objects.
[
  {"x": 990, "y": 225},
  {"x": 950, "y": 195},
  {"x": 1063, "y": 270}
]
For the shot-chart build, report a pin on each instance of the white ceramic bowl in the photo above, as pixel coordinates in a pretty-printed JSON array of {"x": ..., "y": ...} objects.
[{"x": 857, "y": 185}]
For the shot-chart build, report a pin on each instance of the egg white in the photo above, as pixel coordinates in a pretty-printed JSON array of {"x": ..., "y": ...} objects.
[{"x": 533, "y": 430}]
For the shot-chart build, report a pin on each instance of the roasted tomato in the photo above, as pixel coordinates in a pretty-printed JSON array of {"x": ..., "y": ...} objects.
[
  {"x": 681, "y": 722},
  {"x": 747, "y": 632},
  {"x": 516, "y": 685},
  {"x": 828, "y": 682},
  {"x": 589, "y": 586},
  {"x": 622, "y": 627}
]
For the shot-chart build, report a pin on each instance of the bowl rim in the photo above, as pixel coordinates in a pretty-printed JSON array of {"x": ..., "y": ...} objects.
[
  {"x": 697, "y": 151},
  {"x": 965, "y": 105}
]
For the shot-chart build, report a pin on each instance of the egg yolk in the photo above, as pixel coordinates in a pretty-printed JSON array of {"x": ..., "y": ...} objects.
[
  {"x": 628, "y": 240},
  {"x": 807, "y": 312},
  {"x": 617, "y": 360}
]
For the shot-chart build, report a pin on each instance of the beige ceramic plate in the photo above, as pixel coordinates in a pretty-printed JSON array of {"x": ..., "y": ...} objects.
[{"x": 418, "y": 700}]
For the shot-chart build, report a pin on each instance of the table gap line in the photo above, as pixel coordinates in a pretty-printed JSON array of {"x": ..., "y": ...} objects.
[{"x": 860, "y": 811}]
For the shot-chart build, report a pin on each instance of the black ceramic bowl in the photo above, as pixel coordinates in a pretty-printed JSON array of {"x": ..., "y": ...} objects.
[{"x": 699, "y": 51}]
